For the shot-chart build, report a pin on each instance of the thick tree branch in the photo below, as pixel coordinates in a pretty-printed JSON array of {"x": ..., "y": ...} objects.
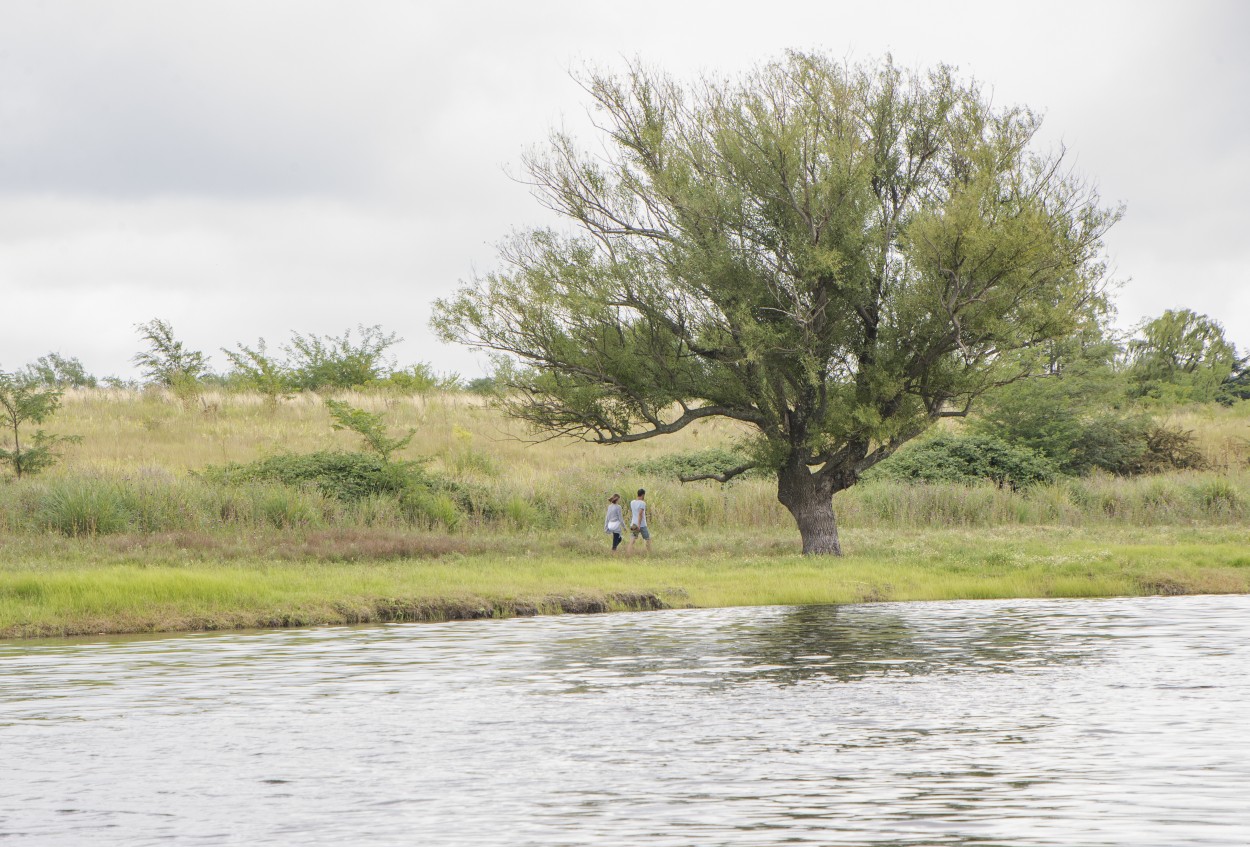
[{"x": 719, "y": 477}]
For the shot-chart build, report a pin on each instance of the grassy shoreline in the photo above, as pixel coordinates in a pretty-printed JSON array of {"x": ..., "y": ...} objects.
[
  {"x": 53, "y": 587},
  {"x": 122, "y": 536}
]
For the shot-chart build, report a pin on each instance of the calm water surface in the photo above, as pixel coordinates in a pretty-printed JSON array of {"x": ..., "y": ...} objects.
[{"x": 1078, "y": 722}]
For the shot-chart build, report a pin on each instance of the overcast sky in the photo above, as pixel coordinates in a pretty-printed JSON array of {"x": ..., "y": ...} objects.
[{"x": 245, "y": 168}]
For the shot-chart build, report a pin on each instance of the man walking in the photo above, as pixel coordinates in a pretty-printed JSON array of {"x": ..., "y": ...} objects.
[{"x": 638, "y": 522}]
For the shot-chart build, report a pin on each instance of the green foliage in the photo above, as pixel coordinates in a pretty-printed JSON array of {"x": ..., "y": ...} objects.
[
  {"x": 1236, "y": 386},
  {"x": 700, "y": 463},
  {"x": 255, "y": 368},
  {"x": 328, "y": 362},
  {"x": 24, "y": 400},
  {"x": 57, "y": 371},
  {"x": 317, "y": 363},
  {"x": 343, "y": 476},
  {"x": 1076, "y": 417},
  {"x": 1181, "y": 356},
  {"x": 89, "y": 507},
  {"x": 968, "y": 459},
  {"x": 1066, "y": 419},
  {"x": 484, "y": 385},
  {"x": 1068, "y": 414},
  {"x": 1112, "y": 441},
  {"x": 431, "y": 508},
  {"x": 417, "y": 379},
  {"x": 167, "y": 362},
  {"x": 368, "y": 425},
  {"x": 423, "y": 498}
]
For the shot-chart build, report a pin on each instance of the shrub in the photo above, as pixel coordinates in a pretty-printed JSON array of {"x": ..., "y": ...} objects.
[
  {"x": 23, "y": 401},
  {"x": 350, "y": 478},
  {"x": 1169, "y": 448},
  {"x": 343, "y": 476},
  {"x": 968, "y": 459},
  {"x": 417, "y": 379}
]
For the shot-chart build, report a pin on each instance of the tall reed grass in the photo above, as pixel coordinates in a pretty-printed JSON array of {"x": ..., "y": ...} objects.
[{"x": 97, "y": 503}]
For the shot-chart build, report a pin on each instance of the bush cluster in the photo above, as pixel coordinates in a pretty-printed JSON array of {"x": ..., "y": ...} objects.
[
  {"x": 341, "y": 475},
  {"x": 968, "y": 459},
  {"x": 351, "y": 477}
]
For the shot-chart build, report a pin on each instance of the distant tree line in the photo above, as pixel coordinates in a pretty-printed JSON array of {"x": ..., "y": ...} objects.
[
  {"x": 1178, "y": 357},
  {"x": 1089, "y": 409},
  {"x": 357, "y": 359}
]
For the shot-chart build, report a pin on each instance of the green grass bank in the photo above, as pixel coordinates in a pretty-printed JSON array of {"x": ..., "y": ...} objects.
[{"x": 52, "y": 586}]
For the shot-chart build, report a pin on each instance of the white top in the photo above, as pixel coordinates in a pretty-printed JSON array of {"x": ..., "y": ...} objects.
[{"x": 638, "y": 512}]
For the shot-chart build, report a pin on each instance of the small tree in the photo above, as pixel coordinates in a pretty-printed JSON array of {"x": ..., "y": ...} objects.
[
  {"x": 23, "y": 400},
  {"x": 834, "y": 257},
  {"x": 167, "y": 362},
  {"x": 261, "y": 371},
  {"x": 369, "y": 426}
]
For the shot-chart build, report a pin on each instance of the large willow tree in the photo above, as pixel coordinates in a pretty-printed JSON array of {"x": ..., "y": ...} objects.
[{"x": 835, "y": 256}]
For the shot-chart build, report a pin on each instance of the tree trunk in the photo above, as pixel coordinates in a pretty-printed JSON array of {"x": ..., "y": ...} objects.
[{"x": 811, "y": 502}]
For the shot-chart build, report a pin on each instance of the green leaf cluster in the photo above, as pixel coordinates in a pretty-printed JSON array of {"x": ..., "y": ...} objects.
[
  {"x": 1081, "y": 418},
  {"x": 968, "y": 459},
  {"x": 1182, "y": 356},
  {"x": 341, "y": 475}
]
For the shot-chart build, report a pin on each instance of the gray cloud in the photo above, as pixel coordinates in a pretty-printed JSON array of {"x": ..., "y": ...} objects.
[{"x": 247, "y": 169}]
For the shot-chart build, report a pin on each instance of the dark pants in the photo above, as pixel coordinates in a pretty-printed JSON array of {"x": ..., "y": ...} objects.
[{"x": 616, "y": 540}]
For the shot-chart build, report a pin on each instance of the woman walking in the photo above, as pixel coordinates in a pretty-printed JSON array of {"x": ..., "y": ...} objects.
[{"x": 615, "y": 521}]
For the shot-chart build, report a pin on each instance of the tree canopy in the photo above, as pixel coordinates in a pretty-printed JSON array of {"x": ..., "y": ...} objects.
[
  {"x": 836, "y": 256},
  {"x": 1180, "y": 355}
]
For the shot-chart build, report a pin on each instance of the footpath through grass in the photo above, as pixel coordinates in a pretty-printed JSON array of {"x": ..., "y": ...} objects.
[{"x": 61, "y": 587}]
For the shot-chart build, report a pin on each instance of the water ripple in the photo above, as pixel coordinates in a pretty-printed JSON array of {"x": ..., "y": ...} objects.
[{"x": 1092, "y": 722}]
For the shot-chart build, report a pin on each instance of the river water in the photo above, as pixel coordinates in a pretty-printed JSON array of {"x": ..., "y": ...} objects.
[{"x": 1024, "y": 722}]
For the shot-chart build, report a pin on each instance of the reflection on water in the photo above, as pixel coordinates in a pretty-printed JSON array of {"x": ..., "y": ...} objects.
[{"x": 1018, "y": 722}]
